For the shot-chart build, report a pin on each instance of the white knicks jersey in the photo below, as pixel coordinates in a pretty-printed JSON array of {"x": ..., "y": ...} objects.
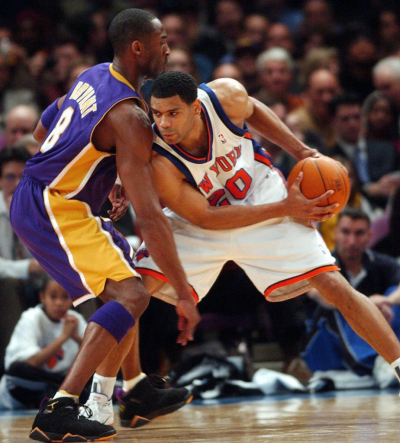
[{"x": 236, "y": 170}]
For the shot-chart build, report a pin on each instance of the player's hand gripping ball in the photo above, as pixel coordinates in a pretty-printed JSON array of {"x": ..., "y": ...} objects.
[{"x": 320, "y": 175}]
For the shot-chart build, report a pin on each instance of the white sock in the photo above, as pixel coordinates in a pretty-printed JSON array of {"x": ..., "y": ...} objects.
[
  {"x": 65, "y": 394},
  {"x": 396, "y": 368},
  {"x": 102, "y": 385},
  {"x": 127, "y": 385}
]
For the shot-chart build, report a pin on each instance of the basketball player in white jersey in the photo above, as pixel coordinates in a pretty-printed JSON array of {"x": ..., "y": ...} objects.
[{"x": 225, "y": 201}]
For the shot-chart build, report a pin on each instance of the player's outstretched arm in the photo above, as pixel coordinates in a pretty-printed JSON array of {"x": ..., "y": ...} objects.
[
  {"x": 133, "y": 139},
  {"x": 189, "y": 203},
  {"x": 264, "y": 121}
]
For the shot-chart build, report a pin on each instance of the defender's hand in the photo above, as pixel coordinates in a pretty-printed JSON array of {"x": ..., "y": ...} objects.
[
  {"x": 188, "y": 318},
  {"x": 119, "y": 201}
]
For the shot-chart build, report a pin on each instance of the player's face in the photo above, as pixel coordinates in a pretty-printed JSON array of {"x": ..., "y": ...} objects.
[
  {"x": 55, "y": 300},
  {"x": 352, "y": 237},
  {"x": 157, "y": 51},
  {"x": 174, "y": 118}
]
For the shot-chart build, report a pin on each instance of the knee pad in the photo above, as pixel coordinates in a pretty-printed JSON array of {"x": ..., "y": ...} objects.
[{"x": 116, "y": 319}]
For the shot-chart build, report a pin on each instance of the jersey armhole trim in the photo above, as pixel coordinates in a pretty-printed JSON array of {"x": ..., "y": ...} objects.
[
  {"x": 176, "y": 162},
  {"x": 221, "y": 113}
]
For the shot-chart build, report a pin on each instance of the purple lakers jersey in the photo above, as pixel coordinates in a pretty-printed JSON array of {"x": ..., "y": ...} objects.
[{"x": 68, "y": 162}]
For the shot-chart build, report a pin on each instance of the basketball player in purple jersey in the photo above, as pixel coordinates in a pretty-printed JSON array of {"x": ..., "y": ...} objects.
[
  {"x": 225, "y": 201},
  {"x": 101, "y": 128}
]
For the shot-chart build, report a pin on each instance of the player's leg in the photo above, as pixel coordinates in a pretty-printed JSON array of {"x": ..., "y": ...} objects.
[
  {"x": 105, "y": 329},
  {"x": 154, "y": 401},
  {"x": 65, "y": 237},
  {"x": 130, "y": 364},
  {"x": 125, "y": 302},
  {"x": 361, "y": 314},
  {"x": 100, "y": 398},
  {"x": 150, "y": 401}
]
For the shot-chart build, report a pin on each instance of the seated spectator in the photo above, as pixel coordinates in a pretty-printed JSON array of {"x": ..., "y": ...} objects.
[
  {"x": 381, "y": 117},
  {"x": 360, "y": 55},
  {"x": 388, "y": 27},
  {"x": 42, "y": 348},
  {"x": 316, "y": 58},
  {"x": 280, "y": 36},
  {"x": 378, "y": 161},
  {"x": 15, "y": 85},
  {"x": 332, "y": 344},
  {"x": 21, "y": 120},
  {"x": 65, "y": 54},
  {"x": 179, "y": 36},
  {"x": 275, "y": 68},
  {"x": 345, "y": 110},
  {"x": 220, "y": 40},
  {"x": 310, "y": 138},
  {"x": 319, "y": 20},
  {"x": 18, "y": 269},
  {"x": 97, "y": 43},
  {"x": 228, "y": 70},
  {"x": 281, "y": 11},
  {"x": 245, "y": 57},
  {"x": 356, "y": 200},
  {"x": 15, "y": 259},
  {"x": 322, "y": 86},
  {"x": 386, "y": 77},
  {"x": 390, "y": 244},
  {"x": 256, "y": 29},
  {"x": 77, "y": 68},
  {"x": 181, "y": 59},
  {"x": 280, "y": 158}
]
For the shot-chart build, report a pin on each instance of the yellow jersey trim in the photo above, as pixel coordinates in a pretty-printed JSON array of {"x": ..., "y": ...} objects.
[{"x": 122, "y": 79}]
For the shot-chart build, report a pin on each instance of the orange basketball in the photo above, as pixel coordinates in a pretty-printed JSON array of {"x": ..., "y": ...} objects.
[{"x": 320, "y": 175}]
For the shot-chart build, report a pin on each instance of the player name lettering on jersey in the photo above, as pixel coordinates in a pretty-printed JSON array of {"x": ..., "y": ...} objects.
[
  {"x": 227, "y": 162},
  {"x": 224, "y": 163},
  {"x": 85, "y": 96}
]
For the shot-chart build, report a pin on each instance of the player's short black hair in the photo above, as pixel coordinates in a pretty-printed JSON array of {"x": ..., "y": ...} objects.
[
  {"x": 12, "y": 154},
  {"x": 130, "y": 25},
  {"x": 175, "y": 83}
]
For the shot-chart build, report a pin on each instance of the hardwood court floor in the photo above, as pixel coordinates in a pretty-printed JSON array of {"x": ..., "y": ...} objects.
[{"x": 353, "y": 417}]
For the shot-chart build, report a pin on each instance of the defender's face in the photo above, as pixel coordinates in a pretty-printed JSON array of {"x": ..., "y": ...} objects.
[
  {"x": 174, "y": 118},
  {"x": 157, "y": 51}
]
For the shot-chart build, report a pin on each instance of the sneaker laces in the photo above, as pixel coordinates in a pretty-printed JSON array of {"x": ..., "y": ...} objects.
[{"x": 86, "y": 411}]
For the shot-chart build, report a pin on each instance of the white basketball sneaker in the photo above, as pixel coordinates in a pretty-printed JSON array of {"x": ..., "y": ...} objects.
[{"x": 101, "y": 409}]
